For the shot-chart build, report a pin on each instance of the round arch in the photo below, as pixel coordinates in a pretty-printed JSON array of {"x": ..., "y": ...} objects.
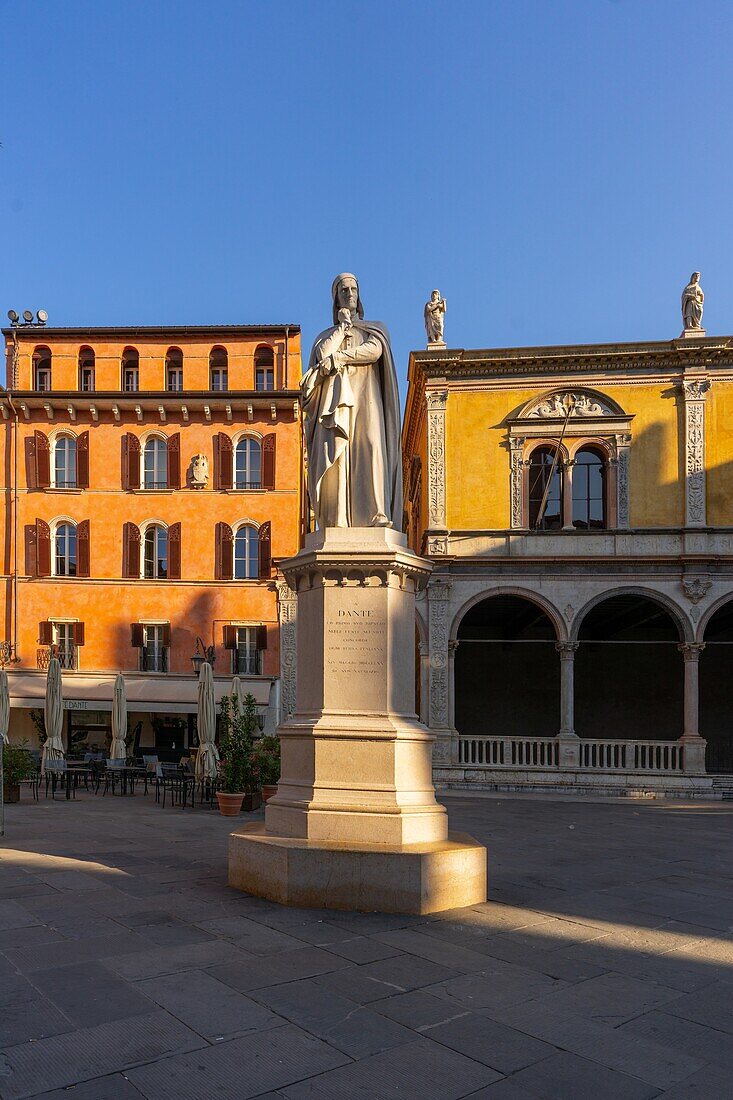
[
  {"x": 676, "y": 612},
  {"x": 716, "y": 706},
  {"x": 541, "y": 602},
  {"x": 506, "y": 668},
  {"x": 629, "y": 673}
]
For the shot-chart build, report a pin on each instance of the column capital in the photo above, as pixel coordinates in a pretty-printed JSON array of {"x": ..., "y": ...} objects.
[
  {"x": 453, "y": 646},
  {"x": 424, "y": 648},
  {"x": 566, "y": 649},
  {"x": 691, "y": 650}
]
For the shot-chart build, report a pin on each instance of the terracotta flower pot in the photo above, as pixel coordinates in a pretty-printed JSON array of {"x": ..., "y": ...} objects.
[
  {"x": 268, "y": 791},
  {"x": 11, "y": 792},
  {"x": 229, "y": 804}
]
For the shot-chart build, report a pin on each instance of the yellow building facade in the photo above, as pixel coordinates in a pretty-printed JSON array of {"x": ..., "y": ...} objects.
[{"x": 577, "y": 504}]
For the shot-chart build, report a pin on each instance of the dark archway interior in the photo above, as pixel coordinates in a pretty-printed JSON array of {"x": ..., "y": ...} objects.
[
  {"x": 716, "y": 703},
  {"x": 507, "y": 680},
  {"x": 629, "y": 675}
]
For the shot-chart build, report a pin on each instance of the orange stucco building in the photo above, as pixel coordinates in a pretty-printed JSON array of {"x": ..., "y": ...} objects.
[{"x": 151, "y": 480}]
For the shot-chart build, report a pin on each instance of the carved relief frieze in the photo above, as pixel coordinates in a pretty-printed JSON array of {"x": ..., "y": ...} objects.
[
  {"x": 438, "y": 604},
  {"x": 287, "y": 609},
  {"x": 623, "y": 443},
  {"x": 694, "y": 394},
  {"x": 516, "y": 448},
  {"x": 436, "y": 402},
  {"x": 696, "y": 588}
]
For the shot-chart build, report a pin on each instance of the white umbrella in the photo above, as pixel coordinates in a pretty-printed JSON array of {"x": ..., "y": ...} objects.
[
  {"x": 4, "y": 707},
  {"x": 53, "y": 715},
  {"x": 208, "y": 754},
  {"x": 118, "y": 750},
  {"x": 238, "y": 692}
]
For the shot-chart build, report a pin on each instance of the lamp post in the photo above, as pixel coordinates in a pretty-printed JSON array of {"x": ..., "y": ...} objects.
[{"x": 202, "y": 653}]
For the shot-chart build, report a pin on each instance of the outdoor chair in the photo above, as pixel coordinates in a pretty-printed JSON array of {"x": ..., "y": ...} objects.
[
  {"x": 114, "y": 776},
  {"x": 57, "y": 775}
]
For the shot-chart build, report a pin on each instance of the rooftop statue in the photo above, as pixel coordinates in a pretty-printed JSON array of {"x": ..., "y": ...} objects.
[
  {"x": 692, "y": 302},
  {"x": 351, "y": 418},
  {"x": 434, "y": 315}
]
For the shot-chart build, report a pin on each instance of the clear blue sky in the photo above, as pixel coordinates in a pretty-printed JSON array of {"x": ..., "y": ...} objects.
[{"x": 557, "y": 168}]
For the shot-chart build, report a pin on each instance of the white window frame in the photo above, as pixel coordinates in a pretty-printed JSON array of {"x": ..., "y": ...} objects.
[
  {"x": 249, "y": 482},
  {"x": 55, "y": 526},
  {"x": 247, "y": 525},
  {"x": 159, "y": 526},
  {"x": 158, "y": 483},
  {"x": 55, "y": 441}
]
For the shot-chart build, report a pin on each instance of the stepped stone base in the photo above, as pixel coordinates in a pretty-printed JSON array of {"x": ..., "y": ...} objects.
[{"x": 414, "y": 878}]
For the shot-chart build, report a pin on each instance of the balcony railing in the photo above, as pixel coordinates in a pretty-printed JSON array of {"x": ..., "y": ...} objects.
[
  {"x": 247, "y": 663},
  {"x": 247, "y": 483},
  {"x": 66, "y": 655},
  {"x": 592, "y": 755},
  {"x": 153, "y": 659}
]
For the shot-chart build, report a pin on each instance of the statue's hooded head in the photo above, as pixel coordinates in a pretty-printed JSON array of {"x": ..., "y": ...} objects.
[
  {"x": 695, "y": 277},
  {"x": 345, "y": 275}
]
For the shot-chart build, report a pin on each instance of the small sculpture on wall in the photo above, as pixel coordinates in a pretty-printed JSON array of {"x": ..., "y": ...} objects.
[
  {"x": 434, "y": 314},
  {"x": 693, "y": 301},
  {"x": 199, "y": 471}
]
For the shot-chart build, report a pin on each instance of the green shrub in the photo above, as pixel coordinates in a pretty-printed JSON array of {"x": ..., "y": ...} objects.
[
  {"x": 18, "y": 764},
  {"x": 238, "y": 766},
  {"x": 267, "y": 752}
]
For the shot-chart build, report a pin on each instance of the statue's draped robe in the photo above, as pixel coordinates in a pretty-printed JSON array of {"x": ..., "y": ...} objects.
[
  {"x": 692, "y": 305},
  {"x": 352, "y": 429},
  {"x": 434, "y": 321}
]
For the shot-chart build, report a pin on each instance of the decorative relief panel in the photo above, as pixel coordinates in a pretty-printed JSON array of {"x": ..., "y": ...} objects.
[
  {"x": 557, "y": 406},
  {"x": 623, "y": 443},
  {"x": 516, "y": 446},
  {"x": 287, "y": 606},
  {"x": 438, "y": 603},
  {"x": 694, "y": 394},
  {"x": 436, "y": 402}
]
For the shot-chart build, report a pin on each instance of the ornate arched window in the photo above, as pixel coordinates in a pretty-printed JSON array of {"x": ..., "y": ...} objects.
[
  {"x": 248, "y": 464},
  {"x": 218, "y": 369},
  {"x": 589, "y": 489},
  {"x": 64, "y": 462},
  {"x": 64, "y": 549},
  {"x": 155, "y": 463},
  {"x": 546, "y": 478},
  {"x": 155, "y": 552},
  {"x": 86, "y": 370},
  {"x": 246, "y": 553}
]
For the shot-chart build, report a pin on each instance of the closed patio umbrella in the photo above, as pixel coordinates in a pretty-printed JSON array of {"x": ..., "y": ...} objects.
[
  {"x": 4, "y": 707},
  {"x": 118, "y": 750},
  {"x": 208, "y": 754},
  {"x": 237, "y": 691},
  {"x": 53, "y": 715}
]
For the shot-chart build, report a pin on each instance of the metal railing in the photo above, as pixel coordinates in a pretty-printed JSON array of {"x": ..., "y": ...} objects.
[{"x": 66, "y": 655}]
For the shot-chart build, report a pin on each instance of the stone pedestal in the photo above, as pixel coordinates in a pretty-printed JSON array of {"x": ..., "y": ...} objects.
[
  {"x": 355, "y": 823},
  {"x": 693, "y": 334}
]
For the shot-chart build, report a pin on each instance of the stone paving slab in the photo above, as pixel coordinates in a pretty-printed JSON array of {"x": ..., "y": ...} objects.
[{"x": 602, "y": 966}]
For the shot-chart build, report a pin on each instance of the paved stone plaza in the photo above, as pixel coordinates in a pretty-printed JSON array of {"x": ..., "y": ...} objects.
[{"x": 602, "y": 968}]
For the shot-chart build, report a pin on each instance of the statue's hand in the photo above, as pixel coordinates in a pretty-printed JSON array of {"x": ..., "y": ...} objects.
[{"x": 344, "y": 317}]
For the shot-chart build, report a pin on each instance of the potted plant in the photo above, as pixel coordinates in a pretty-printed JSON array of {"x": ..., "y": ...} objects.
[
  {"x": 238, "y": 772},
  {"x": 268, "y": 759},
  {"x": 18, "y": 765}
]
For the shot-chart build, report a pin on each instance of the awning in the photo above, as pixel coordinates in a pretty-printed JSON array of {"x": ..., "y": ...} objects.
[{"x": 161, "y": 695}]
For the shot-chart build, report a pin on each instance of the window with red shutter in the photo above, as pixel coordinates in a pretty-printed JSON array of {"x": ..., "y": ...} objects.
[
  {"x": 174, "y": 461},
  {"x": 82, "y": 460},
  {"x": 268, "y": 462},
  {"x": 138, "y": 635},
  {"x": 43, "y": 460},
  {"x": 45, "y": 633},
  {"x": 31, "y": 474},
  {"x": 82, "y": 549},
  {"x": 78, "y": 633},
  {"x": 174, "y": 552},
  {"x": 230, "y": 637},
  {"x": 131, "y": 551},
  {"x": 223, "y": 461},
  {"x": 31, "y": 556},
  {"x": 130, "y": 461},
  {"x": 43, "y": 549},
  {"x": 224, "y": 561},
  {"x": 262, "y": 637},
  {"x": 264, "y": 547},
  {"x": 166, "y": 635}
]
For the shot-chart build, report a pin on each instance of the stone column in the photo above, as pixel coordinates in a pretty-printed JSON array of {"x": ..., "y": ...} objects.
[
  {"x": 566, "y": 504},
  {"x": 287, "y": 608},
  {"x": 694, "y": 396},
  {"x": 569, "y": 744},
  {"x": 445, "y": 746},
  {"x": 694, "y": 744}
]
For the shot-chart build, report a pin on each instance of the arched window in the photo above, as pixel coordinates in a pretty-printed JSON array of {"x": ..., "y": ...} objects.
[
  {"x": 130, "y": 370},
  {"x": 155, "y": 463},
  {"x": 545, "y": 490},
  {"x": 264, "y": 369},
  {"x": 42, "y": 369},
  {"x": 218, "y": 369},
  {"x": 86, "y": 370},
  {"x": 64, "y": 556},
  {"x": 174, "y": 370},
  {"x": 589, "y": 490},
  {"x": 246, "y": 550},
  {"x": 155, "y": 552},
  {"x": 248, "y": 464},
  {"x": 64, "y": 462}
]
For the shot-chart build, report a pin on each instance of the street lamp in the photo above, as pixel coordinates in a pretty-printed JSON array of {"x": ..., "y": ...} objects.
[{"x": 202, "y": 653}]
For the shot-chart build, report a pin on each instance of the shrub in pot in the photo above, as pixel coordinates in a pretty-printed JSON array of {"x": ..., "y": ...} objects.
[
  {"x": 267, "y": 753},
  {"x": 18, "y": 765},
  {"x": 238, "y": 772}
]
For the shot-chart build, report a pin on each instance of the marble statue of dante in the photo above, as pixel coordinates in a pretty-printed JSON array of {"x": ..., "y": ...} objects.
[
  {"x": 351, "y": 415},
  {"x": 692, "y": 302},
  {"x": 434, "y": 314}
]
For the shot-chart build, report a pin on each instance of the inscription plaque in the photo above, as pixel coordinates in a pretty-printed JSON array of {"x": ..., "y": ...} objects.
[{"x": 356, "y": 641}]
